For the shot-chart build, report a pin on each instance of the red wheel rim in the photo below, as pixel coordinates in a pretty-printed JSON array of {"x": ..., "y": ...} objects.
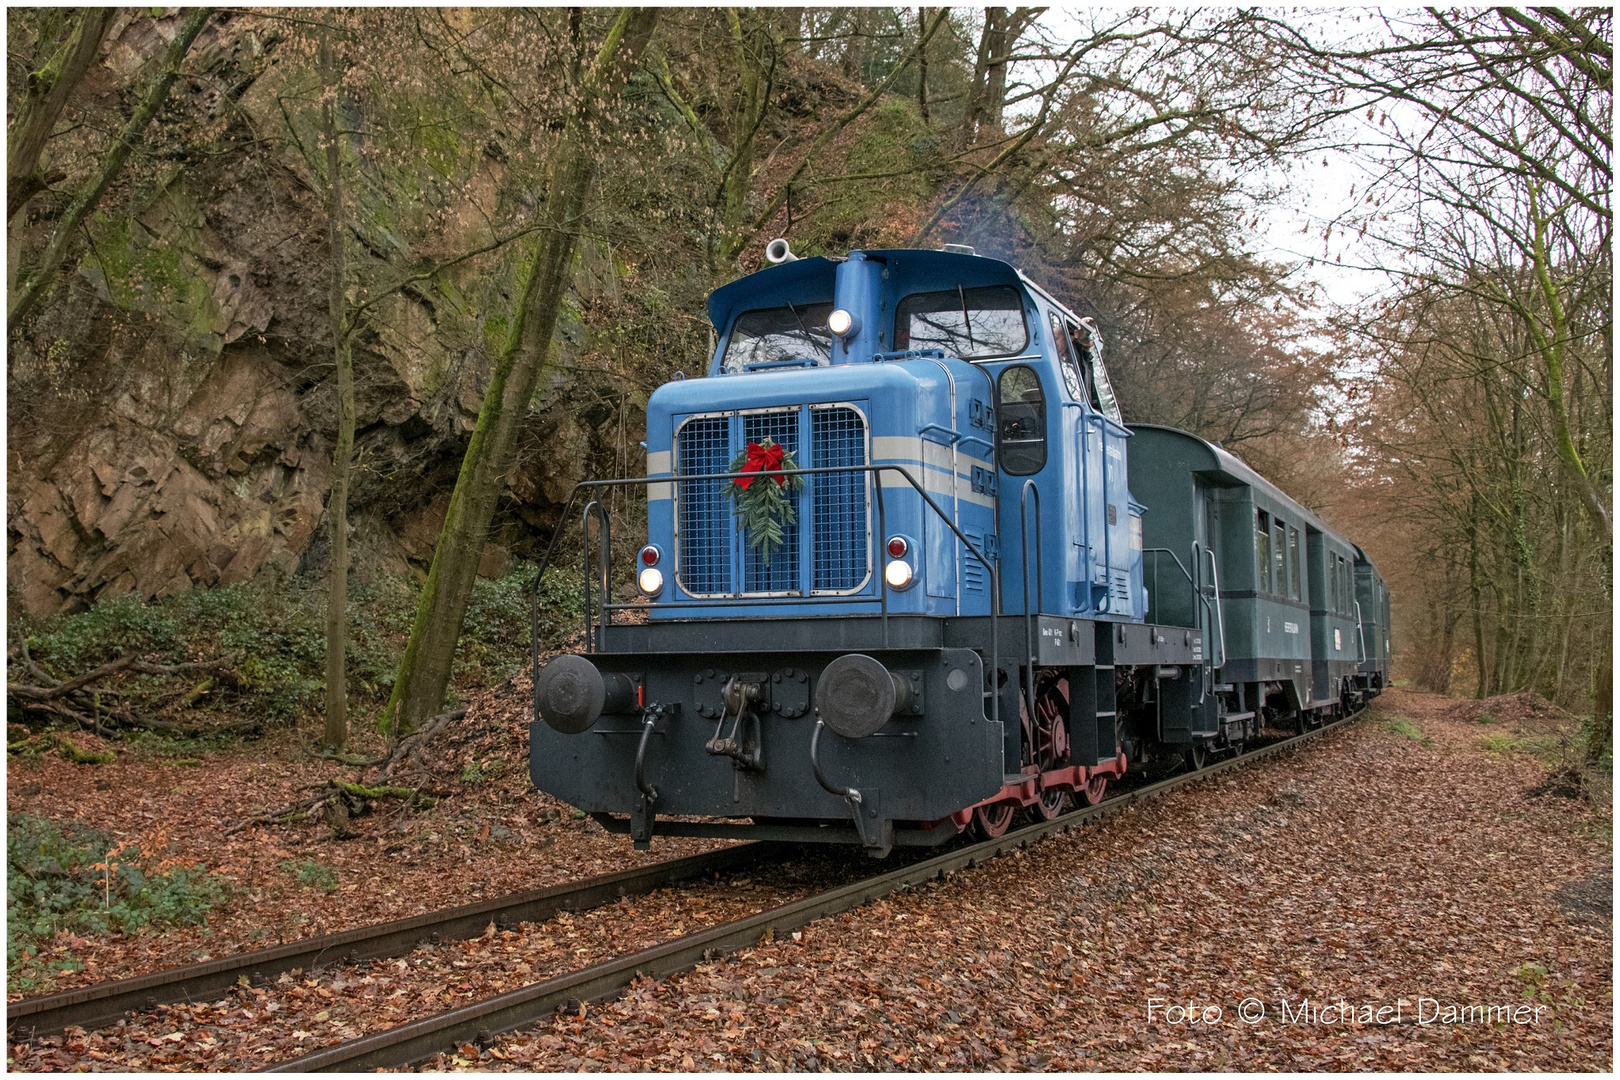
[
  {"x": 1094, "y": 791},
  {"x": 1051, "y": 804},
  {"x": 994, "y": 820}
]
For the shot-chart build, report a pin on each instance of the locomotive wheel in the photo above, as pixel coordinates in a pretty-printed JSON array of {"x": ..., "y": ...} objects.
[
  {"x": 1094, "y": 792},
  {"x": 992, "y": 821},
  {"x": 1051, "y": 803},
  {"x": 1196, "y": 755},
  {"x": 1046, "y": 734}
]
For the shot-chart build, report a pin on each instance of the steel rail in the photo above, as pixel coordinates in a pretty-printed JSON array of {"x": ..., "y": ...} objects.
[
  {"x": 480, "y": 1021},
  {"x": 104, "y": 1003}
]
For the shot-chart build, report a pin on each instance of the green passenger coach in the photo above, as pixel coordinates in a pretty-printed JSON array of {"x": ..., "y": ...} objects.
[{"x": 1273, "y": 587}]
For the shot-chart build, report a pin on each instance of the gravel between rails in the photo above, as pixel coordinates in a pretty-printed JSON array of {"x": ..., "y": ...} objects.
[{"x": 1376, "y": 869}]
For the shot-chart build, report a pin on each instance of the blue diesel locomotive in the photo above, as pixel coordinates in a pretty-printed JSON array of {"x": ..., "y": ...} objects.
[{"x": 896, "y": 582}]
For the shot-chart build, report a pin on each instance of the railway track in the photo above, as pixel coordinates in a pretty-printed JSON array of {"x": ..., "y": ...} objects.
[
  {"x": 105, "y": 1003},
  {"x": 480, "y": 1021}
]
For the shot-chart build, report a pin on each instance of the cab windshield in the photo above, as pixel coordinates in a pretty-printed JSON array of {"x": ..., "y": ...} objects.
[
  {"x": 974, "y": 324},
  {"x": 769, "y": 335}
]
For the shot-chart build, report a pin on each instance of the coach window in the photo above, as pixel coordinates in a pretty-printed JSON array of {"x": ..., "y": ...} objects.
[
  {"x": 1262, "y": 551},
  {"x": 1279, "y": 541},
  {"x": 1293, "y": 563},
  {"x": 1021, "y": 421}
]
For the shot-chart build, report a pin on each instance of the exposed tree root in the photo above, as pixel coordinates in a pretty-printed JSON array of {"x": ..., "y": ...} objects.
[
  {"x": 339, "y": 799},
  {"x": 50, "y": 740}
]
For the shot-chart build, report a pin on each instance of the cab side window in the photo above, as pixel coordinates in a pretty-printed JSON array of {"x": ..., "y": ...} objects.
[
  {"x": 1064, "y": 351},
  {"x": 1087, "y": 343},
  {"x": 1021, "y": 421}
]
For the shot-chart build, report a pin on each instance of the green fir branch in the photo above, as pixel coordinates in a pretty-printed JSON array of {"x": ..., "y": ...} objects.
[{"x": 765, "y": 508}]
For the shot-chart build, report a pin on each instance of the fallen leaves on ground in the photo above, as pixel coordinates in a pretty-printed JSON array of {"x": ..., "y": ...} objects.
[
  {"x": 1367, "y": 868},
  {"x": 494, "y": 836},
  {"x": 1370, "y": 867}
]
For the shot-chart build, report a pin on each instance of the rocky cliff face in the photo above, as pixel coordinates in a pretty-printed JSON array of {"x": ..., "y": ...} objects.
[{"x": 170, "y": 410}]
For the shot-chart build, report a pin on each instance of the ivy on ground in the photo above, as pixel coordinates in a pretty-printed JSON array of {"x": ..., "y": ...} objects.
[{"x": 64, "y": 880}]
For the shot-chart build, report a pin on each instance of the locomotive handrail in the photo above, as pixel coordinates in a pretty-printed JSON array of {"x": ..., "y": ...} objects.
[
  {"x": 1040, "y": 584},
  {"x": 1361, "y": 636},
  {"x": 1108, "y": 540},
  {"x": 1085, "y": 481},
  {"x": 991, "y": 569},
  {"x": 604, "y": 537}
]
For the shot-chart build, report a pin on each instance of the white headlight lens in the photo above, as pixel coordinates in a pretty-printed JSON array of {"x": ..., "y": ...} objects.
[
  {"x": 897, "y": 574},
  {"x": 840, "y": 322},
  {"x": 650, "y": 581}
]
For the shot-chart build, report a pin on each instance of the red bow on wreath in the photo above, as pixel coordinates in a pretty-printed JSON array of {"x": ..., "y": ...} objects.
[{"x": 765, "y": 459}]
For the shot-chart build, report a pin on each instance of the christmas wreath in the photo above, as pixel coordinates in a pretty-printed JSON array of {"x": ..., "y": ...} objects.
[{"x": 764, "y": 510}]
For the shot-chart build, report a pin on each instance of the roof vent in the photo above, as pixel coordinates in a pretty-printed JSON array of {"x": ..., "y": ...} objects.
[{"x": 959, "y": 249}]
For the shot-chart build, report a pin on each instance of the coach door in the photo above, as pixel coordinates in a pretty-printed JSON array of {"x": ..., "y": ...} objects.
[{"x": 1207, "y": 571}]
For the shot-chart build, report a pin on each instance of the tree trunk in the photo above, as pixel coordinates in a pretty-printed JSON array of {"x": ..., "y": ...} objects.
[
  {"x": 1552, "y": 344},
  {"x": 1475, "y": 595},
  {"x": 543, "y": 275},
  {"x": 995, "y": 73},
  {"x": 48, "y": 92},
  {"x": 336, "y": 732},
  {"x": 90, "y": 194},
  {"x": 1600, "y": 737},
  {"x": 755, "y": 47},
  {"x": 922, "y": 65},
  {"x": 974, "y": 113}
]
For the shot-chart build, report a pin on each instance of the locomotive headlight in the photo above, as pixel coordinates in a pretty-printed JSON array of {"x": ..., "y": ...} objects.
[
  {"x": 897, "y": 574},
  {"x": 650, "y": 581},
  {"x": 841, "y": 323}
]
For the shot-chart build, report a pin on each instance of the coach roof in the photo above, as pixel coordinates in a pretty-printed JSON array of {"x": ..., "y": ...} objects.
[{"x": 1223, "y": 465}]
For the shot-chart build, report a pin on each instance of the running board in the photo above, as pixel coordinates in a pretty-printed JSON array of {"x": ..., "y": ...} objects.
[{"x": 793, "y": 834}]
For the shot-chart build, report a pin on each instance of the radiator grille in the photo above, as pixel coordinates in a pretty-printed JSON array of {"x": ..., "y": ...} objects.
[
  {"x": 712, "y": 557},
  {"x": 704, "y": 521},
  {"x": 839, "y": 501}
]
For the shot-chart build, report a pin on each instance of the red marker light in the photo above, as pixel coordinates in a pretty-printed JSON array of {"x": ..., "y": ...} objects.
[
  {"x": 649, "y": 555},
  {"x": 898, "y": 547}
]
